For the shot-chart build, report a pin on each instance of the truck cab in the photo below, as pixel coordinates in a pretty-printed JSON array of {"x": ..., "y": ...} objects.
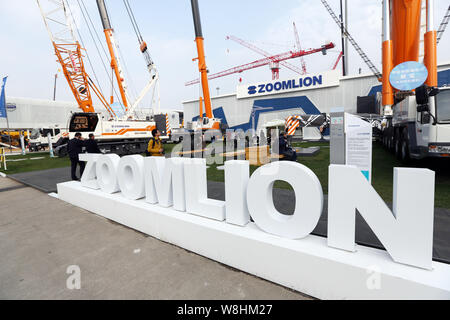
[
  {"x": 85, "y": 123},
  {"x": 420, "y": 125},
  {"x": 39, "y": 137}
]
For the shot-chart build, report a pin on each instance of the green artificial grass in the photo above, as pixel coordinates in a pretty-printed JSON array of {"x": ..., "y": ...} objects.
[
  {"x": 29, "y": 165},
  {"x": 383, "y": 165}
]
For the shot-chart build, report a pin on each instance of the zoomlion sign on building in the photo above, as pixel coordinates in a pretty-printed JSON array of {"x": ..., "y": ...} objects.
[
  {"x": 168, "y": 199},
  {"x": 308, "y": 82}
]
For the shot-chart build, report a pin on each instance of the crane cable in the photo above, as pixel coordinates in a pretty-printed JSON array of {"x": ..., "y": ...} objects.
[
  {"x": 84, "y": 46},
  {"x": 82, "y": 42},
  {"x": 131, "y": 84},
  {"x": 443, "y": 25},
  {"x": 141, "y": 41},
  {"x": 133, "y": 21},
  {"x": 87, "y": 20},
  {"x": 93, "y": 27}
]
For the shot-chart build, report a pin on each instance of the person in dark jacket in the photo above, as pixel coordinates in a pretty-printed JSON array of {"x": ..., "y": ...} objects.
[
  {"x": 91, "y": 145},
  {"x": 285, "y": 149},
  {"x": 74, "y": 149}
]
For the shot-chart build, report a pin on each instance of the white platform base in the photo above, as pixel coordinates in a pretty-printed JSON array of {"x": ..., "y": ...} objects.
[{"x": 308, "y": 266}]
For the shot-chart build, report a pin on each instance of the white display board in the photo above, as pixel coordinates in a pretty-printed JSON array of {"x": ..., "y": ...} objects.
[{"x": 358, "y": 144}]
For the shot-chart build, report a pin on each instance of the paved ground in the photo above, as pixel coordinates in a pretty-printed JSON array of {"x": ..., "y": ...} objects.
[
  {"x": 44, "y": 180},
  {"x": 284, "y": 201},
  {"x": 40, "y": 237}
]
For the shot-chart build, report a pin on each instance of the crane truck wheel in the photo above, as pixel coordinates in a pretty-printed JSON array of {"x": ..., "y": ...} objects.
[
  {"x": 61, "y": 151},
  {"x": 405, "y": 155},
  {"x": 397, "y": 147}
]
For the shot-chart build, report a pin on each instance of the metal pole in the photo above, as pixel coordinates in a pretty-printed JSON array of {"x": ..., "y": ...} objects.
[
  {"x": 346, "y": 38},
  {"x": 54, "y": 87},
  {"x": 9, "y": 132},
  {"x": 253, "y": 120},
  {"x": 22, "y": 144},
  {"x": 50, "y": 145},
  {"x": 344, "y": 53},
  {"x": 3, "y": 158}
]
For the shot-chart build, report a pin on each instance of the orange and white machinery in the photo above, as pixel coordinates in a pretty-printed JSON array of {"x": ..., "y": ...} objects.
[
  {"x": 295, "y": 124},
  {"x": 38, "y": 138},
  {"x": 417, "y": 123},
  {"x": 122, "y": 134}
]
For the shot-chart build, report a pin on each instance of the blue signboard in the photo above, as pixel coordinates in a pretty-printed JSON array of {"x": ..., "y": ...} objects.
[
  {"x": 3, "y": 113},
  {"x": 408, "y": 76}
]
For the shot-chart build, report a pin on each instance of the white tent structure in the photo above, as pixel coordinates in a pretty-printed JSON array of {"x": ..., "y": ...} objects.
[{"x": 26, "y": 113}]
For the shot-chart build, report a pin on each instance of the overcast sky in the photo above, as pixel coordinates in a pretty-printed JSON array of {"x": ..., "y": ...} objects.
[{"x": 27, "y": 55}]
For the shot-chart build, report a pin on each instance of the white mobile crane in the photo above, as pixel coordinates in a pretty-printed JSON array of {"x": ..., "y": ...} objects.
[{"x": 121, "y": 134}]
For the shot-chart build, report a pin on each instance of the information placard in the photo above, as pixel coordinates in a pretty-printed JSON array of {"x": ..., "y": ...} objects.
[{"x": 358, "y": 144}]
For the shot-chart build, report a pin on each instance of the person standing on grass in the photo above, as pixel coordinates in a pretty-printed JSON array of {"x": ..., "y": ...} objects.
[
  {"x": 285, "y": 149},
  {"x": 91, "y": 145},
  {"x": 74, "y": 149},
  {"x": 155, "y": 147}
]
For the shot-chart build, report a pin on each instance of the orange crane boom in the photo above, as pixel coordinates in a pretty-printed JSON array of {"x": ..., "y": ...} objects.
[
  {"x": 109, "y": 34},
  {"x": 69, "y": 52},
  {"x": 201, "y": 58},
  {"x": 70, "y": 58}
]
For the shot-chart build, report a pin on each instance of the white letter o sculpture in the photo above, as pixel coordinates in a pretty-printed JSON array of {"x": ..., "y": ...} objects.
[
  {"x": 308, "y": 194},
  {"x": 107, "y": 173},
  {"x": 130, "y": 175}
]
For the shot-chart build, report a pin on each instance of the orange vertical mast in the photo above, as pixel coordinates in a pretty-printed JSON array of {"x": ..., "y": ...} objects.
[
  {"x": 111, "y": 46},
  {"x": 401, "y": 41},
  {"x": 201, "y": 58},
  {"x": 405, "y": 27},
  {"x": 430, "y": 59},
  {"x": 388, "y": 56}
]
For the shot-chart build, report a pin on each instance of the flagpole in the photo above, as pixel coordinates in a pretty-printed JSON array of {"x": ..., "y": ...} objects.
[
  {"x": 9, "y": 132},
  {"x": 3, "y": 96}
]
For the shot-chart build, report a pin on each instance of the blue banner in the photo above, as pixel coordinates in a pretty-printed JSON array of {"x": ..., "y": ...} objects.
[{"x": 3, "y": 113}]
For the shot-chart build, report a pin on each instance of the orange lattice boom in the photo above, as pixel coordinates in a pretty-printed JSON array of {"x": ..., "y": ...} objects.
[{"x": 70, "y": 58}]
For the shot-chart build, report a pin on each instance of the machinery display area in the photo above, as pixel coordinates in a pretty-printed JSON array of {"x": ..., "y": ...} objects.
[
  {"x": 310, "y": 185},
  {"x": 315, "y": 99}
]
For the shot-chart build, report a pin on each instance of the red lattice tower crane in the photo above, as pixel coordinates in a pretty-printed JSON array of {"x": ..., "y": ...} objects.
[
  {"x": 275, "y": 66},
  {"x": 341, "y": 54},
  {"x": 271, "y": 60},
  {"x": 299, "y": 48}
]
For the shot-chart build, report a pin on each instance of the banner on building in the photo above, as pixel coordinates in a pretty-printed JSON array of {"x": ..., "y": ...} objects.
[{"x": 306, "y": 82}]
